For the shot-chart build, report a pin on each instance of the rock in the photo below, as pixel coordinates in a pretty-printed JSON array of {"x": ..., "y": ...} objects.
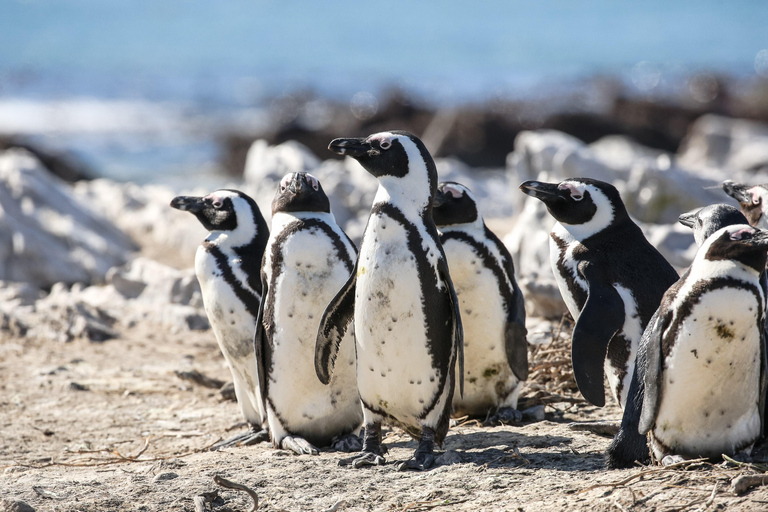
[
  {"x": 535, "y": 413},
  {"x": 165, "y": 475},
  {"x": 143, "y": 212},
  {"x": 722, "y": 145},
  {"x": 449, "y": 458},
  {"x": 157, "y": 283},
  {"x": 227, "y": 392},
  {"x": 271, "y": 163},
  {"x": 9, "y": 505},
  {"x": 46, "y": 234}
]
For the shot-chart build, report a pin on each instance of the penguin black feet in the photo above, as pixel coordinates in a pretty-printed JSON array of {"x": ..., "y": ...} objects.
[
  {"x": 424, "y": 456},
  {"x": 504, "y": 416},
  {"x": 298, "y": 445},
  {"x": 372, "y": 454},
  {"x": 348, "y": 443},
  {"x": 253, "y": 436}
]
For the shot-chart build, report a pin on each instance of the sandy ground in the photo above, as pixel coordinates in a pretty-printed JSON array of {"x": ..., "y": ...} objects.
[{"x": 102, "y": 427}]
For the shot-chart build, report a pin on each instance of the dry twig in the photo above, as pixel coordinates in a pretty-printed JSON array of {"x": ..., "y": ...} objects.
[{"x": 228, "y": 484}]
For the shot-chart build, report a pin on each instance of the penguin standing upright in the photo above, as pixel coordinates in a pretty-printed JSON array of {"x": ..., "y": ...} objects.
[
  {"x": 227, "y": 265},
  {"x": 752, "y": 200},
  {"x": 491, "y": 304},
  {"x": 705, "y": 358},
  {"x": 611, "y": 278},
  {"x": 401, "y": 301},
  {"x": 629, "y": 446},
  {"x": 307, "y": 260}
]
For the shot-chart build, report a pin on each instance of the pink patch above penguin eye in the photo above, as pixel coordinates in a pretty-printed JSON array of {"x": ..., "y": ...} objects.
[
  {"x": 576, "y": 195},
  {"x": 285, "y": 181},
  {"x": 742, "y": 234},
  {"x": 453, "y": 191},
  {"x": 313, "y": 181}
]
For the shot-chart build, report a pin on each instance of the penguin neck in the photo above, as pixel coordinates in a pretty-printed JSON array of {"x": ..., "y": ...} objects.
[
  {"x": 413, "y": 203},
  {"x": 281, "y": 219},
  {"x": 474, "y": 228}
]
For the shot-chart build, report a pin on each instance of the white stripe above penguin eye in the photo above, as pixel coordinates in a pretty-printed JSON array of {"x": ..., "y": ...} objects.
[
  {"x": 453, "y": 190},
  {"x": 604, "y": 212}
]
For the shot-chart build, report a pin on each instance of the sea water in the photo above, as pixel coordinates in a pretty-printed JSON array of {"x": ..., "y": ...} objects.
[{"x": 141, "y": 89}]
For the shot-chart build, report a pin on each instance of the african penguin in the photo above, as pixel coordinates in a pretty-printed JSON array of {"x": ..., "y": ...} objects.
[
  {"x": 611, "y": 278},
  {"x": 752, "y": 200},
  {"x": 629, "y": 446},
  {"x": 227, "y": 265},
  {"x": 401, "y": 301},
  {"x": 492, "y": 308},
  {"x": 307, "y": 260},
  {"x": 705, "y": 221},
  {"x": 705, "y": 353}
]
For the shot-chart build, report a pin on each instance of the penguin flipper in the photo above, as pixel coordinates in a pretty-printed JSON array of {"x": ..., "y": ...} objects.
[
  {"x": 602, "y": 315},
  {"x": 260, "y": 342},
  {"x": 515, "y": 342},
  {"x": 650, "y": 343},
  {"x": 337, "y": 317},
  {"x": 458, "y": 328}
]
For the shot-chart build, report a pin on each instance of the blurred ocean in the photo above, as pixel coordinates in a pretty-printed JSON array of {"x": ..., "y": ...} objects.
[{"x": 140, "y": 88}]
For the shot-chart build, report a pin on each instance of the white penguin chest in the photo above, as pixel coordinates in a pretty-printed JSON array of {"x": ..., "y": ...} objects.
[
  {"x": 564, "y": 267},
  {"x": 395, "y": 370},
  {"x": 232, "y": 323},
  {"x": 486, "y": 371},
  {"x": 710, "y": 383}
]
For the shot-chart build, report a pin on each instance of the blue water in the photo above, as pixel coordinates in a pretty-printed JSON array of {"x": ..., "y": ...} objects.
[{"x": 214, "y": 55}]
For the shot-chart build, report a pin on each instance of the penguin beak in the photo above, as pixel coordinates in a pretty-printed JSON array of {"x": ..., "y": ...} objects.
[
  {"x": 759, "y": 239},
  {"x": 439, "y": 200},
  {"x": 737, "y": 191},
  {"x": 546, "y": 192},
  {"x": 350, "y": 147},
  {"x": 687, "y": 219},
  {"x": 299, "y": 183},
  {"x": 190, "y": 204}
]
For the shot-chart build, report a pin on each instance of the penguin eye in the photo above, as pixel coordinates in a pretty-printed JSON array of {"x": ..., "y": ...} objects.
[
  {"x": 756, "y": 199},
  {"x": 282, "y": 188},
  {"x": 217, "y": 203},
  {"x": 385, "y": 144},
  {"x": 576, "y": 195},
  {"x": 313, "y": 181}
]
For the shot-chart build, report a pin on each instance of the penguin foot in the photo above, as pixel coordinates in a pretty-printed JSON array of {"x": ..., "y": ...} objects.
[
  {"x": 420, "y": 461},
  {"x": 253, "y": 436},
  {"x": 348, "y": 443},
  {"x": 669, "y": 460},
  {"x": 504, "y": 416},
  {"x": 298, "y": 445},
  {"x": 363, "y": 459},
  {"x": 424, "y": 457}
]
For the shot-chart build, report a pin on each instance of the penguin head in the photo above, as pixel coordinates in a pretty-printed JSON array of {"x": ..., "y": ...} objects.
[
  {"x": 398, "y": 159},
  {"x": 583, "y": 206},
  {"x": 300, "y": 192},
  {"x": 228, "y": 211},
  {"x": 709, "y": 219},
  {"x": 752, "y": 201},
  {"x": 741, "y": 243},
  {"x": 454, "y": 204}
]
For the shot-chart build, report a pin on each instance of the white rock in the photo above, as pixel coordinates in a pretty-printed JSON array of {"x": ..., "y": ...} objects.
[
  {"x": 46, "y": 234},
  {"x": 270, "y": 163}
]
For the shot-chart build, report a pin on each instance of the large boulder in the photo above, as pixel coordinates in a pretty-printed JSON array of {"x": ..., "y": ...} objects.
[{"x": 46, "y": 234}]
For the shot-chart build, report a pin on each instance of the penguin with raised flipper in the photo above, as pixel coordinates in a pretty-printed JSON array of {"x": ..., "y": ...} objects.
[
  {"x": 752, "y": 200},
  {"x": 307, "y": 260},
  {"x": 401, "y": 301},
  {"x": 611, "y": 278},
  {"x": 629, "y": 446},
  {"x": 492, "y": 308},
  {"x": 227, "y": 265},
  {"x": 705, "y": 354}
]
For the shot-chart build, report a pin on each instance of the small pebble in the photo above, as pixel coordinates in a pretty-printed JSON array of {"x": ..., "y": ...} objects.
[{"x": 165, "y": 475}]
